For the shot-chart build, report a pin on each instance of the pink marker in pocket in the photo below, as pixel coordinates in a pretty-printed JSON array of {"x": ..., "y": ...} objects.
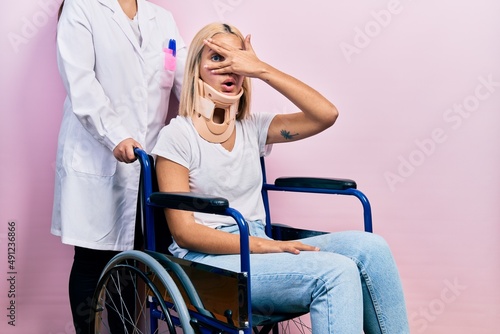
[{"x": 170, "y": 54}]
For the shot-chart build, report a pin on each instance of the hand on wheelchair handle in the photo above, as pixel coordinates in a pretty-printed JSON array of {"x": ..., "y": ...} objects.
[{"x": 124, "y": 151}]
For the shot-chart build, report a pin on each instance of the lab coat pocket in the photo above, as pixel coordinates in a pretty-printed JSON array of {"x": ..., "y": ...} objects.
[
  {"x": 162, "y": 65},
  {"x": 91, "y": 157},
  {"x": 165, "y": 78}
]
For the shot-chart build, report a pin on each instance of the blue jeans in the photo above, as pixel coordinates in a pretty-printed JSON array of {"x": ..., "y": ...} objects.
[{"x": 350, "y": 285}]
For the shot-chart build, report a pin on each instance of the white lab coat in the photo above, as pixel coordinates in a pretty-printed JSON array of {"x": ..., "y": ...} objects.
[{"x": 117, "y": 89}]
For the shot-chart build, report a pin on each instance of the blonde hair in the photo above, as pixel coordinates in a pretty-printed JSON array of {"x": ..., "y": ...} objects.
[{"x": 190, "y": 92}]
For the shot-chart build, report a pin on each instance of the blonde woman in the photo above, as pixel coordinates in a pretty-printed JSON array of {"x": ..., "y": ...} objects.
[{"x": 347, "y": 280}]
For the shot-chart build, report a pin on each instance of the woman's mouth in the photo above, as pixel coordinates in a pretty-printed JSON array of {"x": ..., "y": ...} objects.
[{"x": 228, "y": 86}]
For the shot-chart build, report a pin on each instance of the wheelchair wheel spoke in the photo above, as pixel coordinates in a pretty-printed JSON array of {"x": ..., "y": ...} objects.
[
  {"x": 296, "y": 325},
  {"x": 123, "y": 303}
]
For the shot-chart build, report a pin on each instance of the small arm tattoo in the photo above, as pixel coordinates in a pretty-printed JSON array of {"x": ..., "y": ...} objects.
[{"x": 287, "y": 135}]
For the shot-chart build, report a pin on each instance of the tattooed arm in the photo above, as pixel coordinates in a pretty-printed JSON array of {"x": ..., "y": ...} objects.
[{"x": 317, "y": 113}]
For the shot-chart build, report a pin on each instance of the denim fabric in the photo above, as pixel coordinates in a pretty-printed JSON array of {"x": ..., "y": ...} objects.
[{"x": 350, "y": 285}]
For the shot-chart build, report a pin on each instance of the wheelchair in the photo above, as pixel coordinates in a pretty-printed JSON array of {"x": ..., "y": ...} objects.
[{"x": 150, "y": 291}]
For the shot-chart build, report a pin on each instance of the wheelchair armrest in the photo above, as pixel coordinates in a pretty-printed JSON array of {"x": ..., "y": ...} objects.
[
  {"x": 189, "y": 201},
  {"x": 314, "y": 182},
  {"x": 321, "y": 186}
]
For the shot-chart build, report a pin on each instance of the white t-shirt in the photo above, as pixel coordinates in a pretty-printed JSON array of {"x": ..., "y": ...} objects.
[{"x": 213, "y": 170}]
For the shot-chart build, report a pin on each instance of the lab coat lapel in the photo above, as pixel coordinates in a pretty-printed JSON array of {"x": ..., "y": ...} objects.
[
  {"x": 146, "y": 16},
  {"x": 122, "y": 21}
]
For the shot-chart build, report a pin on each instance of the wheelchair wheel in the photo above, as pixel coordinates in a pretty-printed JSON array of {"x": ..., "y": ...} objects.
[
  {"x": 297, "y": 325},
  {"x": 292, "y": 326},
  {"x": 135, "y": 294}
]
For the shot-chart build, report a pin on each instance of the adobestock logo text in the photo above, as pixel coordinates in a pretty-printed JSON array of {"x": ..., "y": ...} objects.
[
  {"x": 30, "y": 25},
  {"x": 363, "y": 36},
  {"x": 454, "y": 118}
]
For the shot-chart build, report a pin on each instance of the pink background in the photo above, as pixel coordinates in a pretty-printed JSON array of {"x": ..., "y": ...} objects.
[{"x": 417, "y": 84}]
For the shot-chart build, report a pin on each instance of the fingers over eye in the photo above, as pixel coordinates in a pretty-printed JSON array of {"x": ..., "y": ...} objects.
[{"x": 210, "y": 43}]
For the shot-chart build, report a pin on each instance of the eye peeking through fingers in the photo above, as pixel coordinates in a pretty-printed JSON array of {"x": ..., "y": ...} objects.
[{"x": 217, "y": 58}]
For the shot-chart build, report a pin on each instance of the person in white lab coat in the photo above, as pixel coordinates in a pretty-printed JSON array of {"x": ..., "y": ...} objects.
[{"x": 119, "y": 67}]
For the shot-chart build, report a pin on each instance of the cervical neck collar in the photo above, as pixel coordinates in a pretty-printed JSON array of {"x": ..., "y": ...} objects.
[{"x": 209, "y": 101}]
